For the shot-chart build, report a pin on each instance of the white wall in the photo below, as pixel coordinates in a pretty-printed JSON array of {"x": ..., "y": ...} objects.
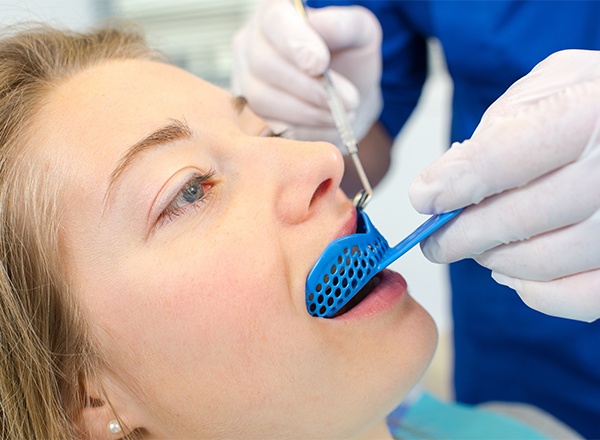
[{"x": 75, "y": 14}]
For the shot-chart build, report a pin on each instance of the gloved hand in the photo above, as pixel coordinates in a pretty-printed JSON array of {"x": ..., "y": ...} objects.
[
  {"x": 279, "y": 58},
  {"x": 530, "y": 176}
]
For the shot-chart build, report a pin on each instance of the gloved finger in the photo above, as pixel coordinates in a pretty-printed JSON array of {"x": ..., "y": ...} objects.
[
  {"x": 353, "y": 34},
  {"x": 549, "y": 77},
  {"x": 574, "y": 297},
  {"x": 549, "y": 256},
  {"x": 292, "y": 36},
  {"x": 511, "y": 152},
  {"x": 256, "y": 59},
  {"x": 564, "y": 197},
  {"x": 289, "y": 79},
  {"x": 273, "y": 103},
  {"x": 348, "y": 27},
  {"x": 264, "y": 63}
]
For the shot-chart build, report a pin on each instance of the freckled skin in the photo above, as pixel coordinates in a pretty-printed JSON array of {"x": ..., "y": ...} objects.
[{"x": 202, "y": 316}]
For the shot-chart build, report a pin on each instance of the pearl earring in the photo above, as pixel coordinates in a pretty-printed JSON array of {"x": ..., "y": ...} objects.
[{"x": 114, "y": 427}]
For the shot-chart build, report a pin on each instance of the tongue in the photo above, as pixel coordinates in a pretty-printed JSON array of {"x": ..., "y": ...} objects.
[{"x": 360, "y": 295}]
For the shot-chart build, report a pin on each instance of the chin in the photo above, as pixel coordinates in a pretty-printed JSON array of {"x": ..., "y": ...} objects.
[
  {"x": 398, "y": 360},
  {"x": 412, "y": 353}
]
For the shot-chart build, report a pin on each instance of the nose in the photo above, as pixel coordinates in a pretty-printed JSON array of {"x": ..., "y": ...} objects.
[{"x": 309, "y": 178}]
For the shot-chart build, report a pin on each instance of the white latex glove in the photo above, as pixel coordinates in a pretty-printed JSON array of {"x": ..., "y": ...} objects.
[
  {"x": 531, "y": 172},
  {"x": 279, "y": 57}
]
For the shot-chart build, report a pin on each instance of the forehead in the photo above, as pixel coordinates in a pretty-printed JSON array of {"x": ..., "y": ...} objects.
[
  {"x": 89, "y": 120},
  {"x": 125, "y": 99}
]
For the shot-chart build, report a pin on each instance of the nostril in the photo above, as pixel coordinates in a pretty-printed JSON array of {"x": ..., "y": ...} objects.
[{"x": 321, "y": 189}]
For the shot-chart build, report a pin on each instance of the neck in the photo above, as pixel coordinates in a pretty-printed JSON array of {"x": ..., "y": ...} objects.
[{"x": 378, "y": 432}]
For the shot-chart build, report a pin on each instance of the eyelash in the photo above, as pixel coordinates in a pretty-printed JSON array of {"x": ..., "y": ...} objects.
[
  {"x": 280, "y": 134},
  {"x": 179, "y": 205}
]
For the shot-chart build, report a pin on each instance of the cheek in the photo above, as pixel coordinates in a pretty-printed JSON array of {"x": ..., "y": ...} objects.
[
  {"x": 233, "y": 287},
  {"x": 196, "y": 314},
  {"x": 207, "y": 336}
]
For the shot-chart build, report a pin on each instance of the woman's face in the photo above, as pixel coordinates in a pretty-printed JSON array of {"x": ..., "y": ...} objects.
[{"x": 188, "y": 235}]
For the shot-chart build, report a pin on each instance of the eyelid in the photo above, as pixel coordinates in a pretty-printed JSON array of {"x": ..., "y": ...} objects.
[
  {"x": 281, "y": 134},
  {"x": 168, "y": 214},
  {"x": 284, "y": 133}
]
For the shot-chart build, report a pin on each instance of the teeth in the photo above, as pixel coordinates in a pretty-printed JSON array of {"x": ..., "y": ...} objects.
[{"x": 360, "y": 295}]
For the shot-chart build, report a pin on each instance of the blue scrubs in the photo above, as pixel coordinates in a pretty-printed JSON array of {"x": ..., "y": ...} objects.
[{"x": 503, "y": 350}]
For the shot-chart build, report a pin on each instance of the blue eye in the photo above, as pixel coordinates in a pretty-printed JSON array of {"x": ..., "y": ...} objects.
[
  {"x": 190, "y": 195},
  {"x": 193, "y": 191}
]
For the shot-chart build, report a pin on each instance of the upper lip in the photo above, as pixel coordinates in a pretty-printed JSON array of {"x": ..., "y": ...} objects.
[{"x": 348, "y": 227}]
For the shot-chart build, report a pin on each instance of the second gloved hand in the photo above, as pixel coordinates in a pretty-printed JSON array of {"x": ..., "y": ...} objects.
[
  {"x": 279, "y": 57},
  {"x": 530, "y": 176}
]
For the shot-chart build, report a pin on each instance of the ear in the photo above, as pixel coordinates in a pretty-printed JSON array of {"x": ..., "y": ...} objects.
[
  {"x": 97, "y": 422},
  {"x": 103, "y": 414}
]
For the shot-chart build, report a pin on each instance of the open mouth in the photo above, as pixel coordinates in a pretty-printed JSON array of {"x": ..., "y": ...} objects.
[{"x": 360, "y": 295}]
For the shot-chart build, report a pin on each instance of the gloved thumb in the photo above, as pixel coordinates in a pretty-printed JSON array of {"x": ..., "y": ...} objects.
[{"x": 572, "y": 297}]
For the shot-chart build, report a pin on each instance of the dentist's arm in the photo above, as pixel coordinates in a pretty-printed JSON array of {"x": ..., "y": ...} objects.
[{"x": 530, "y": 176}]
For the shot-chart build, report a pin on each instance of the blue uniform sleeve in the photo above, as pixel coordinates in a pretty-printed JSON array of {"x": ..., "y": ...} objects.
[{"x": 404, "y": 53}]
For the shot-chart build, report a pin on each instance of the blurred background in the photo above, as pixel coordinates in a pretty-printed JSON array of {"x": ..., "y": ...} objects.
[{"x": 196, "y": 34}]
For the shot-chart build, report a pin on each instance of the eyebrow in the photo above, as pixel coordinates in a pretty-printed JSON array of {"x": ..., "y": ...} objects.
[{"x": 173, "y": 131}]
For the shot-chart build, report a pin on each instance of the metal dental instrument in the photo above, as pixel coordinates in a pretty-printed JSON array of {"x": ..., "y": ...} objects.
[{"x": 344, "y": 129}]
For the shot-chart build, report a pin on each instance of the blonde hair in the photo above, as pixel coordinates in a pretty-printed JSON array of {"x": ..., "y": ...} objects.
[{"x": 45, "y": 351}]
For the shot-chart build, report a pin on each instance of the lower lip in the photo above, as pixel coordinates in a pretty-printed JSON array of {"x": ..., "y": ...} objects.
[{"x": 390, "y": 290}]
